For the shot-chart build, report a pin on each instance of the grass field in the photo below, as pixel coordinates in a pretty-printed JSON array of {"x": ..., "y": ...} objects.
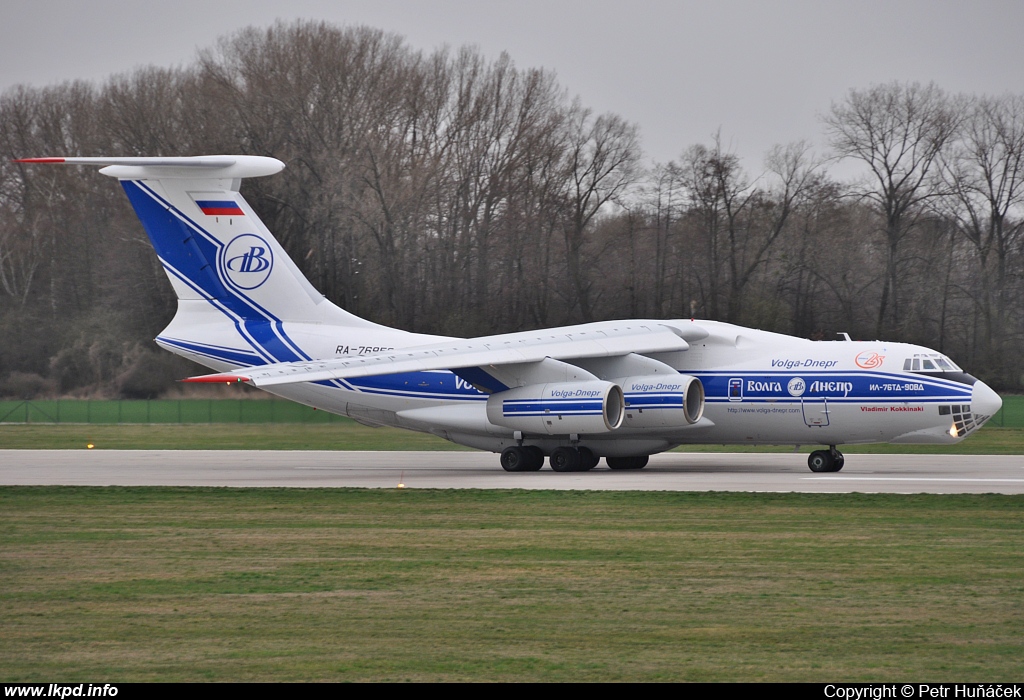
[
  {"x": 163, "y": 411},
  {"x": 349, "y": 435},
  {"x": 146, "y": 584}
]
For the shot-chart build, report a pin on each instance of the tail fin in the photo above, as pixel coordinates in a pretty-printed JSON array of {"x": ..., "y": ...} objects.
[{"x": 210, "y": 242}]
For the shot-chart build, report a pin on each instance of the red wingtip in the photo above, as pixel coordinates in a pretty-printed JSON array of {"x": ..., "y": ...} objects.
[
  {"x": 38, "y": 160},
  {"x": 216, "y": 379}
]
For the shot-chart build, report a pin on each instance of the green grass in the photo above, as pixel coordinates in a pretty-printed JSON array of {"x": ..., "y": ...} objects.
[
  {"x": 162, "y": 584},
  {"x": 346, "y": 434},
  {"x": 162, "y": 411}
]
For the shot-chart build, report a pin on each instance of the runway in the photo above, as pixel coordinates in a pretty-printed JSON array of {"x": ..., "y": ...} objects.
[{"x": 674, "y": 471}]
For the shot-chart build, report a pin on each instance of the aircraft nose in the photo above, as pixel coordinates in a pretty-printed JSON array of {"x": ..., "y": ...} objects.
[{"x": 984, "y": 401}]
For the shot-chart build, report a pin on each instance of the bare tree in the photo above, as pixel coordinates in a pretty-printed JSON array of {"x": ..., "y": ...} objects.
[
  {"x": 791, "y": 177},
  {"x": 985, "y": 177},
  {"x": 719, "y": 192},
  {"x": 667, "y": 198},
  {"x": 898, "y": 131},
  {"x": 602, "y": 159}
]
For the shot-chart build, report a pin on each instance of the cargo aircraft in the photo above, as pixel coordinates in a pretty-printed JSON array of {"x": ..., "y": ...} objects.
[{"x": 621, "y": 390}]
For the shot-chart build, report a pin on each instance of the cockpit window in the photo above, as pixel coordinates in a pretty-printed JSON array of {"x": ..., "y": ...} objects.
[
  {"x": 929, "y": 362},
  {"x": 933, "y": 364}
]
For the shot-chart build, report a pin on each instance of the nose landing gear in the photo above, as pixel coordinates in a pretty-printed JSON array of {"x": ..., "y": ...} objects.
[{"x": 830, "y": 460}]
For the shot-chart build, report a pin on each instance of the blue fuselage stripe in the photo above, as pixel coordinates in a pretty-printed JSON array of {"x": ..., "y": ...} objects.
[
  {"x": 654, "y": 401},
  {"x": 527, "y": 407},
  {"x": 847, "y": 387}
]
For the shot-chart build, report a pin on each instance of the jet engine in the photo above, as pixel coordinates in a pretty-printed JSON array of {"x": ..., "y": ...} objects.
[
  {"x": 660, "y": 401},
  {"x": 561, "y": 408}
]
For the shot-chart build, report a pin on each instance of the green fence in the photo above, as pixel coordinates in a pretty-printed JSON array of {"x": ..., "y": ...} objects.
[
  {"x": 249, "y": 411},
  {"x": 1011, "y": 415},
  {"x": 162, "y": 411}
]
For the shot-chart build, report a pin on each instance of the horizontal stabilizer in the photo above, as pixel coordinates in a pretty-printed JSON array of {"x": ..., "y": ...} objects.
[
  {"x": 512, "y": 348},
  {"x": 201, "y": 167}
]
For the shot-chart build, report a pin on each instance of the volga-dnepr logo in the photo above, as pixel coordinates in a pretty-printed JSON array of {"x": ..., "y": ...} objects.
[
  {"x": 247, "y": 261},
  {"x": 869, "y": 359}
]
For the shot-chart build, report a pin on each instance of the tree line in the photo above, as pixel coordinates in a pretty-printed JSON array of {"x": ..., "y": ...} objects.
[{"x": 446, "y": 192}]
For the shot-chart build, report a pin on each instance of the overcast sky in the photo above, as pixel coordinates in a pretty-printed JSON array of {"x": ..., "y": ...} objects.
[{"x": 761, "y": 72}]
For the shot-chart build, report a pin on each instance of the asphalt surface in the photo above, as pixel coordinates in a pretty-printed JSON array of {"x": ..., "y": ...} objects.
[{"x": 772, "y": 472}]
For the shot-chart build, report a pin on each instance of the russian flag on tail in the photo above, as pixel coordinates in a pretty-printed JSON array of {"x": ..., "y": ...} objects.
[{"x": 216, "y": 207}]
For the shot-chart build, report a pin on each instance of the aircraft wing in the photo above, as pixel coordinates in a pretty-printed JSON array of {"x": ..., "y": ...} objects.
[{"x": 507, "y": 349}]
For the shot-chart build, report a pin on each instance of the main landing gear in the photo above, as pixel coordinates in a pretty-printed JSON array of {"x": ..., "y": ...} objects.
[
  {"x": 830, "y": 460},
  {"x": 563, "y": 459},
  {"x": 573, "y": 459},
  {"x": 522, "y": 459},
  {"x": 627, "y": 462}
]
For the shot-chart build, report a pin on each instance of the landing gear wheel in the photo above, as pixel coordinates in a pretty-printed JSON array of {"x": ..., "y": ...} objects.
[
  {"x": 821, "y": 461},
  {"x": 565, "y": 459},
  {"x": 840, "y": 460},
  {"x": 588, "y": 460},
  {"x": 536, "y": 458},
  {"x": 515, "y": 459},
  {"x": 638, "y": 462}
]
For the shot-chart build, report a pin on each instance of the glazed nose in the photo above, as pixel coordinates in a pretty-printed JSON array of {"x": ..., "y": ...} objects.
[{"x": 984, "y": 401}]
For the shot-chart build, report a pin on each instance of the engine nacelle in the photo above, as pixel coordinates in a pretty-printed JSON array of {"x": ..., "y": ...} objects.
[
  {"x": 561, "y": 408},
  {"x": 660, "y": 401}
]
